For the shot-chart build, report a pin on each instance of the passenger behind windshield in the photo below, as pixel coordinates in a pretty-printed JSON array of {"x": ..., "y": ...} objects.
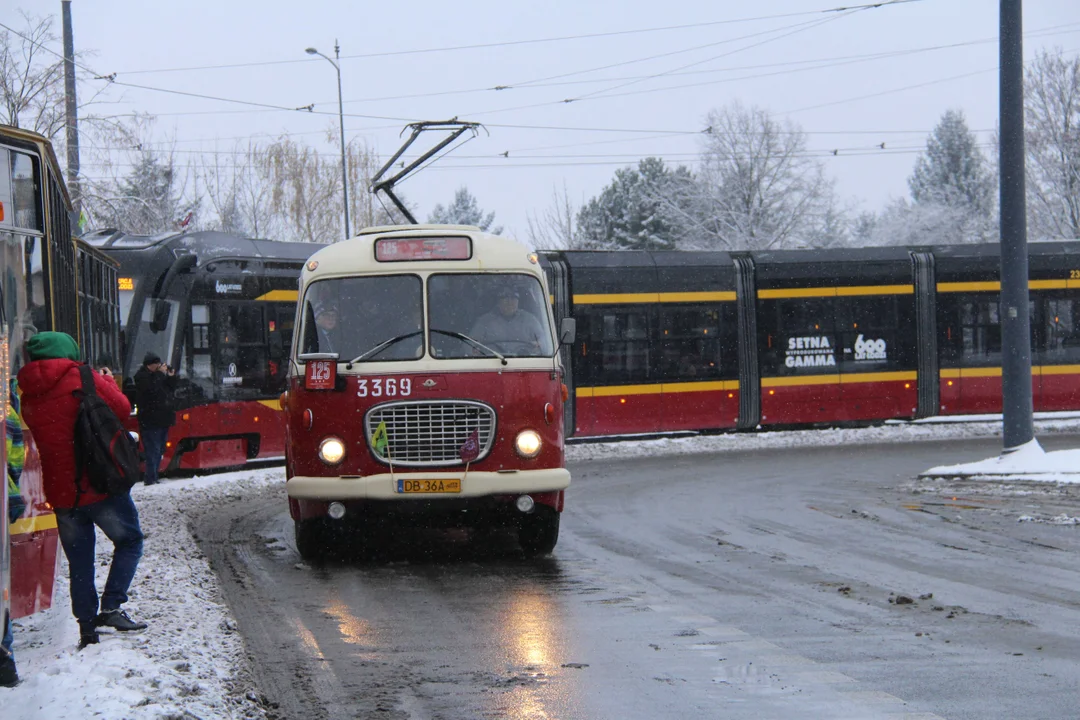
[{"x": 353, "y": 317}]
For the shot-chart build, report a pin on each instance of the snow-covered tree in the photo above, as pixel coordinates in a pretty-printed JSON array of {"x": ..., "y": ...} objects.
[
  {"x": 554, "y": 227},
  {"x": 1052, "y": 118},
  {"x": 153, "y": 196},
  {"x": 952, "y": 186},
  {"x": 649, "y": 207},
  {"x": 31, "y": 78},
  {"x": 760, "y": 188},
  {"x": 464, "y": 210}
]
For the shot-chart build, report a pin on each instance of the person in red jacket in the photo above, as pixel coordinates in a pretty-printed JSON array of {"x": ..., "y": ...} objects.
[{"x": 49, "y": 409}]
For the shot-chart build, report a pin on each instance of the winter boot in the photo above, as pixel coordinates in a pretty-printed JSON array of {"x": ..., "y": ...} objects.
[
  {"x": 118, "y": 620},
  {"x": 8, "y": 676},
  {"x": 87, "y": 634}
]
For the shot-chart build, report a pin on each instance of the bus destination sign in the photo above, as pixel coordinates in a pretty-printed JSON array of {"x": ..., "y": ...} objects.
[{"x": 418, "y": 249}]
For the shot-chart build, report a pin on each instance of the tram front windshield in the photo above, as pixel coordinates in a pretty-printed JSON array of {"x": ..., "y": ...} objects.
[{"x": 378, "y": 319}]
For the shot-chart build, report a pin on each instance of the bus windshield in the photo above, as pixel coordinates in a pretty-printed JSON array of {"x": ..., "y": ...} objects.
[
  {"x": 500, "y": 312},
  {"x": 368, "y": 319}
]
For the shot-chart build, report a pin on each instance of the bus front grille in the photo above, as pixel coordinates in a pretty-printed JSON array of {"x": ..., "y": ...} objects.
[{"x": 427, "y": 434}]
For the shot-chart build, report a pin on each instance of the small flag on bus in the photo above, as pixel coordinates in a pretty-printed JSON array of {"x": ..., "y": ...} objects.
[
  {"x": 379, "y": 440},
  {"x": 471, "y": 449}
]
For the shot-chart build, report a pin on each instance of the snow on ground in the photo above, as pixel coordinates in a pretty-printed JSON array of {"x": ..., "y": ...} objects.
[
  {"x": 888, "y": 433},
  {"x": 1027, "y": 462},
  {"x": 191, "y": 662}
]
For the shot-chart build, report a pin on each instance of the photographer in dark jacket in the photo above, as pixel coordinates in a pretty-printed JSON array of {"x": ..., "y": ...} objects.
[{"x": 154, "y": 385}]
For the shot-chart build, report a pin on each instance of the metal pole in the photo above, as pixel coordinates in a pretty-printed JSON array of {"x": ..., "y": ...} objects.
[
  {"x": 72, "y": 109},
  {"x": 341, "y": 124},
  {"x": 1017, "y": 424}
]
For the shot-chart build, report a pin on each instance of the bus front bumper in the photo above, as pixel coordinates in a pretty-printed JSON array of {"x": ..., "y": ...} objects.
[{"x": 385, "y": 486}]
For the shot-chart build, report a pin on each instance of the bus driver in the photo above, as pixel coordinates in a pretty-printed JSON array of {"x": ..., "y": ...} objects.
[
  {"x": 508, "y": 324},
  {"x": 326, "y": 338}
]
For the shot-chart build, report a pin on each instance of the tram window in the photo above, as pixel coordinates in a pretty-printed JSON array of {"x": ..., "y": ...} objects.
[
  {"x": 872, "y": 333},
  {"x": 1061, "y": 323},
  {"x": 690, "y": 343},
  {"x": 980, "y": 330},
  {"x": 159, "y": 343},
  {"x": 36, "y": 285},
  {"x": 126, "y": 298},
  {"x": 200, "y": 327},
  {"x": 24, "y": 187},
  {"x": 616, "y": 341},
  {"x": 797, "y": 337}
]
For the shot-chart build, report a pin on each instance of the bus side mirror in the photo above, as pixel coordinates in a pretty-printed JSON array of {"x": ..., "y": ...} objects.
[
  {"x": 567, "y": 331},
  {"x": 161, "y": 316}
]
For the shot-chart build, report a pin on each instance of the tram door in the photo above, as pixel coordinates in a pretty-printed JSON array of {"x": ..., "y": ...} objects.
[{"x": 253, "y": 341}]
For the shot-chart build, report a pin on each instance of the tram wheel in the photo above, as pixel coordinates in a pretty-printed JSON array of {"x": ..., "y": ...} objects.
[
  {"x": 311, "y": 538},
  {"x": 539, "y": 532}
]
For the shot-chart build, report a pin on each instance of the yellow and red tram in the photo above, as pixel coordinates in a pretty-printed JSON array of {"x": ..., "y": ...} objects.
[{"x": 48, "y": 281}]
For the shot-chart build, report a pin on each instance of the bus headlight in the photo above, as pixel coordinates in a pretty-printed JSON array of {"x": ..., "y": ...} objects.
[
  {"x": 528, "y": 443},
  {"x": 331, "y": 450}
]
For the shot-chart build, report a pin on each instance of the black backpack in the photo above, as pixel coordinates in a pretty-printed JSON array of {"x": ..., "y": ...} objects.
[{"x": 103, "y": 448}]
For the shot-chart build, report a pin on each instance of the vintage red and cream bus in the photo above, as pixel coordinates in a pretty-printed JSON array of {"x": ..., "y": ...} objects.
[{"x": 425, "y": 388}]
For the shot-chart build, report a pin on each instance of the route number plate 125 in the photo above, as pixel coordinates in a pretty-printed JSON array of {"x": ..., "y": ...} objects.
[
  {"x": 428, "y": 486},
  {"x": 320, "y": 375}
]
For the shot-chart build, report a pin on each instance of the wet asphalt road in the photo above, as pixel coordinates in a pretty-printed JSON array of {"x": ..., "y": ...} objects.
[{"x": 763, "y": 584}]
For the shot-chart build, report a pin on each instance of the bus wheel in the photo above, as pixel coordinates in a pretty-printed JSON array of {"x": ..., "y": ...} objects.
[
  {"x": 539, "y": 532},
  {"x": 311, "y": 538}
]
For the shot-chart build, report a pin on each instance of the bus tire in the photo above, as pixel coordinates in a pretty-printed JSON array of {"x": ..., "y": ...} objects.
[
  {"x": 539, "y": 532},
  {"x": 311, "y": 538}
]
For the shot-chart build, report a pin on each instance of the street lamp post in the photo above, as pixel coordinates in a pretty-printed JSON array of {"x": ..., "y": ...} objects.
[{"x": 341, "y": 125}]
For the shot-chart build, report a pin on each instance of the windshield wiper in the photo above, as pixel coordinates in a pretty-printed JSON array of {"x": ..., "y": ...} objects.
[
  {"x": 383, "y": 345},
  {"x": 471, "y": 341}
]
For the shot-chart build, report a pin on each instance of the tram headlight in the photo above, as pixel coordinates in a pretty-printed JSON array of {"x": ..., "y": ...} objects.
[
  {"x": 331, "y": 450},
  {"x": 528, "y": 443}
]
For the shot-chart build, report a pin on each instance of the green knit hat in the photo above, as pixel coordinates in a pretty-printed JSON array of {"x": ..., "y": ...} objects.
[{"x": 52, "y": 345}]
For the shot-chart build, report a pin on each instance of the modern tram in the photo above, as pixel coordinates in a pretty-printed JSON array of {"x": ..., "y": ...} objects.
[
  {"x": 672, "y": 341},
  {"x": 218, "y": 308},
  {"x": 48, "y": 281}
]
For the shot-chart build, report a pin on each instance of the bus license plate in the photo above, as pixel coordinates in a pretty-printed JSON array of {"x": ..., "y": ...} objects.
[{"x": 428, "y": 486}]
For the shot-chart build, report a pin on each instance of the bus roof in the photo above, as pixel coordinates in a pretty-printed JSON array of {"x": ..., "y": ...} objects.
[{"x": 357, "y": 255}]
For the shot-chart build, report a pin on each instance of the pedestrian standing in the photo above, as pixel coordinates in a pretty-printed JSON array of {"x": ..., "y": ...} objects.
[
  {"x": 49, "y": 409},
  {"x": 154, "y": 385}
]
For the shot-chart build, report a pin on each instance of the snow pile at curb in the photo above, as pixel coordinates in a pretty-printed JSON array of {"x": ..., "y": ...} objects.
[
  {"x": 891, "y": 433},
  {"x": 1062, "y": 519},
  {"x": 190, "y": 663},
  {"x": 1028, "y": 462}
]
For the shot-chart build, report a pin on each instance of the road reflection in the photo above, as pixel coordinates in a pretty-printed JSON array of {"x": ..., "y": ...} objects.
[{"x": 492, "y": 629}]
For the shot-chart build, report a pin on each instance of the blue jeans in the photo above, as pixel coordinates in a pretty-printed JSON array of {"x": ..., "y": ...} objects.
[
  {"x": 153, "y": 440},
  {"x": 119, "y": 520}
]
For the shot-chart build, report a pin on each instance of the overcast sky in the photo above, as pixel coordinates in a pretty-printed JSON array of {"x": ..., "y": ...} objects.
[{"x": 643, "y": 82}]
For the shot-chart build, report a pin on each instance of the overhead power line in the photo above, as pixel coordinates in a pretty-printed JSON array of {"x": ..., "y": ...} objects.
[
  {"x": 512, "y": 43},
  {"x": 816, "y": 64}
]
